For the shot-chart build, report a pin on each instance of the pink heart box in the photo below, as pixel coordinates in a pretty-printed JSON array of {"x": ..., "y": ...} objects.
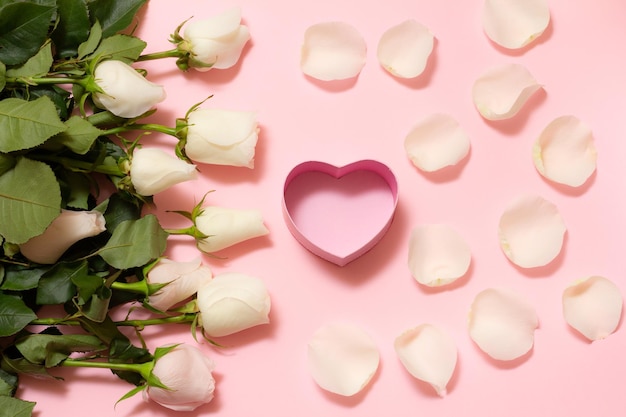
[{"x": 339, "y": 213}]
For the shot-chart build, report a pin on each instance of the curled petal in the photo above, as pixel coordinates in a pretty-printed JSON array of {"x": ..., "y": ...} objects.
[
  {"x": 342, "y": 358},
  {"x": 436, "y": 142},
  {"x": 514, "y": 24},
  {"x": 565, "y": 152},
  {"x": 501, "y": 92},
  {"x": 403, "y": 50},
  {"x": 332, "y": 51},
  {"x": 438, "y": 255},
  {"x": 593, "y": 306},
  {"x": 68, "y": 228},
  {"x": 531, "y": 232},
  {"x": 502, "y": 323},
  {"x": 429, "y": 354}
]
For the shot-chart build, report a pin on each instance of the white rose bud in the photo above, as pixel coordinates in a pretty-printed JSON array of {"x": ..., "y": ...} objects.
[
  {"x": 182, "y": 278},
  {"x": 65, "y": 230},
  {"x": 232, "y": 302},
  {"x": 153, "y": 170},
  {"x": 225, "y": 227},
  {"x": 222, "y": 137},
  {"x": 216, "y": 42},
  {"x": 127, "y": 93},
  {"x": 187, "y": 374}
]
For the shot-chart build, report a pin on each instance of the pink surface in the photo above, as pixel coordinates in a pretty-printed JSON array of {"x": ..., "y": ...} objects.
[
  {"x": 581, "y": 62},
  {"x": 340, "y": 213}
]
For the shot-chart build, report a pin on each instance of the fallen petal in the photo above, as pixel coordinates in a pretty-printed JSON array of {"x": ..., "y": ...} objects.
[
  {"x": 332, "y": 51},
  {"x": 501, "y": 92},
  {"x": 403, "y": 50},
  {"x": 565, "y": 152},
  {"x": 429, "y": 354},
  {"x": 514, "y": 24},
  {"x": 593, "y": 306},
  {"x": 342, "y": 358},
  {"x": 531, "y": 232},
  {"x": 438, "y": 255},
  {"x": 436, "y": 142},
  {"x": 502, "y": 323}
]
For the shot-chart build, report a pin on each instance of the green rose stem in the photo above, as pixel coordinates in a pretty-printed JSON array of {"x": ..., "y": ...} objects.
[
  {"x": 47, "y": 80},
  {"x": 140, "y": 323},
  {"x": 151, "y": 127},
  {"x": 144, "y": 369},
  {"x": 112, "y": 170},
  {"x": 172, "y": 53}
]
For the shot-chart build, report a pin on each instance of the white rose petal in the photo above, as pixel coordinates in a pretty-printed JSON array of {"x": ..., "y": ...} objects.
[
  {"x": 403, "y": 50},
  {"x": 502, "y": 323},
  {"x": 501, "y": 92},
  {"x": 66, "y": 229},
  {"x": 565, "y": 152},
  {"x": 531, "y": 232},
  {"x": 593, "y": 307},
  {"x": 438, "y": 255},
  {"x": 515, "y": 23},
  {"x": 216, "y": 42},
  {"x": 342, "y": 358},
  {"x": 183, "y": 280},
  {"x": 153, "y": 170},
  {"x": 232, "y": 302},
  {"x": 429, "y": 354},
  {"x": 222, "y": 137},
  {"x": 332, "y": 51},
  {"x": 225, "y": 227},
  {"x": 436, "y": 142},
  {"x": 188, "y": 375},
  {"x": 126, "y": 93}
]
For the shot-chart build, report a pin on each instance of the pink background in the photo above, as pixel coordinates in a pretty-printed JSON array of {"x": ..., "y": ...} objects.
[{"x": 582, "y": 64}]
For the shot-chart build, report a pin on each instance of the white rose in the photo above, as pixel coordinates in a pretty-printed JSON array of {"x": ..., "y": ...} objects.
[
  {"x": 126, "y": 92},
  {"x": 222, "y": 137},
  {"x": 225, "y": 227},
  {"x": 232, "y": 302},
  {"x": 153, "y": 170},
  {"x": 65, "y": 230},
  {"x": 216, "y": 42},
  {"x": 187, "y": 374},
  {"x": 182, "y": 278}
]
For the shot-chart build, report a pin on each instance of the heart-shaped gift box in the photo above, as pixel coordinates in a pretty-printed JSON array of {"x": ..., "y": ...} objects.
[{"x": 339, "y": 213}]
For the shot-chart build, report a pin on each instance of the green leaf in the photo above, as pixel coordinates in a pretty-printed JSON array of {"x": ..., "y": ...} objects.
[
  {"x": 7, "y": 162},
  {"x": 23, "y": 30},
  {"x": 78, "y": 136},
  {"x": 14, "y": 315},
  {"x": 92, "y": 42},
  {"x": 114, "y": 16},
  {"x": 3, "y": 79},
  {"x": 98, "y": 307},
  {"x": 118, "y": 210},
  {"x": 27, "y": 123},
  {"x": 21, "y": 278},
  {"x": 56, "y": 286},
  {"x": 52, "y": 349},
  {"x": 22, "y": 366},
  {"x": 8, "y": 383},
  {"x": 14, "y": 407},
  {"x": 135, "y": 243},
  {"x": 72, "y": 27},
  {"x": 37, "y": 65},
  {"x": 76, "y": 189},
  {"x": 87, "y": 285},
  {"x": 30, "y": 199},
  {"x": 61, "y": 98},
  {"x": 121, "y": 47}
]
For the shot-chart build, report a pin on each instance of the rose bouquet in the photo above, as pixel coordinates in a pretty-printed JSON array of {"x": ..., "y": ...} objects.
[{"x": 75, "y": 182}]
